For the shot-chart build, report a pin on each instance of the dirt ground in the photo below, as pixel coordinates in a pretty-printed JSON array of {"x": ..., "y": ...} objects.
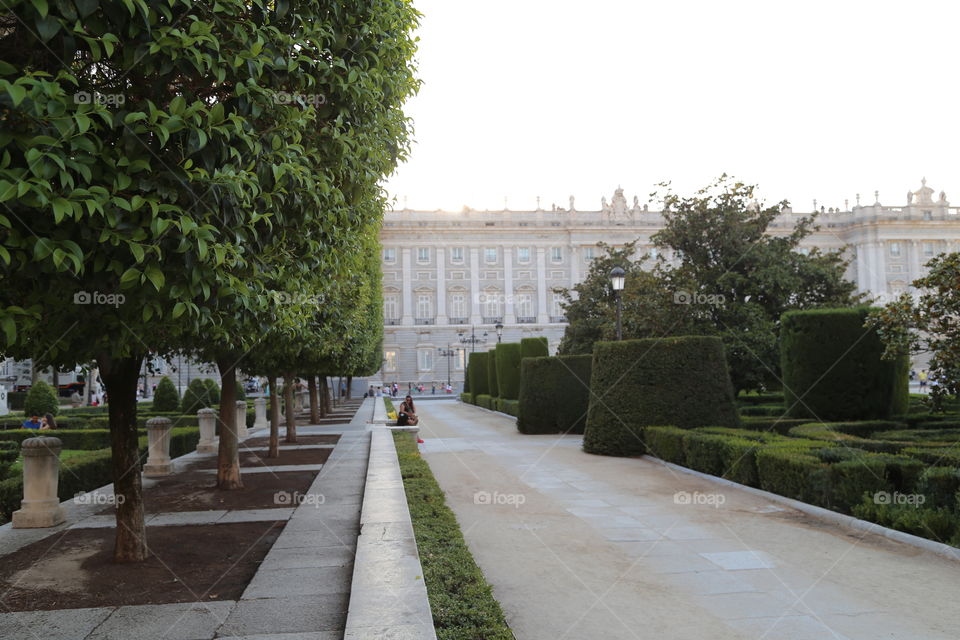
[{"x": 187, "y": 564}]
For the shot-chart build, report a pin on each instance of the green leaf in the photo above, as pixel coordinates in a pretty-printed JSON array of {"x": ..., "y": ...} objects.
[
  {"x": 17, "y": 93},
  {"x": 155, "y": 276},
  {"x": 47, "y": 27},
  {"x": 42, "y": 7},
  {"x": 61, "y": 207},
  {"x": 9, "y": 329},
  {"x": 130, "y": 276}
]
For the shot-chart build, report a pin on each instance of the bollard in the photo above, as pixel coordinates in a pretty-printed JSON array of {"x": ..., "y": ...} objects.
[
  {"x": 41, "y": 474},
  {"x": 260, "y": 408},
  {"x": 158, "y": 441},
  {"x": 208, "y": 431},
  {"x": 242, "y": 420}
]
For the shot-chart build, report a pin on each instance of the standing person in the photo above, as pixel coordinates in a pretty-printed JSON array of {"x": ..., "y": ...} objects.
[
  {"x": 33, "y": 423},
  {"x": 48, "y": 422},
  {"x": 407, "y": 414},
  {"x": 433, "y": 389},
  {"x": 923, "y": 379}
]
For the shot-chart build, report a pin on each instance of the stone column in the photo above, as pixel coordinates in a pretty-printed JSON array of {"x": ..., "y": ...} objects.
[
  {"x": 510, "y": 314},
  {"x": 208, "y": 431},
  {"x": 543, "y": 314},
  {"x": 441, "y": 287},
  {"x": 260, "y": 407},
  {"x": 863, "y": 280},
  {"x": 880, "y": 269},
  {"x": 242, "y": 419},
  {"x": 41, "y": 474},
  {"x": 574, "y": 265},
  {"x": 406, "y": 315},
  {"x": 474, "y": 285},
  {"x": 158, "y": 441}
]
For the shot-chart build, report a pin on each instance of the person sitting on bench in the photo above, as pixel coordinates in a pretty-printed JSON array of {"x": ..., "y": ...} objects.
[{"x": 407, "y": 415}]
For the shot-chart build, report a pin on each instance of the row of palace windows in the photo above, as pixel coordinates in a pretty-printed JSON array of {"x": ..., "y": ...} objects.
[
  {"x": 491, "y": 255},
  {"x": 492, "y": 303},
  {"x": 425, "y": 359},
  {"x": 896, "y": 249}
]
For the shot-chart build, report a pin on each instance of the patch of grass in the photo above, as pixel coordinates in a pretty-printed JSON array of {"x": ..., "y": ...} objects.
[
  {"x": 461, "y": 599},
  {"x": 67, "y": 454}
]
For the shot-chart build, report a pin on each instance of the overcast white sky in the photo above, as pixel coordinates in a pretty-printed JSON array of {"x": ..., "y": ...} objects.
[{"x": 556, "y": 98}]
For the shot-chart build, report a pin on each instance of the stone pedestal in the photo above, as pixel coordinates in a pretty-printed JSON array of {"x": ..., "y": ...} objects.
[
  {"x": 158, "y": 441},
  {"x": 3, "y": 401},
  {"x": 242, "y": 420},
  {"x": 41, "y": 474},
  {"x": 260, "y": 408},
  {"x": 208, "y": 431}
]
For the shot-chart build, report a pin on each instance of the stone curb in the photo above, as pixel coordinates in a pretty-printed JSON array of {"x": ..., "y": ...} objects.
[
  {"x": 388, "y": 597},
  {"x": 493, "y": 411},
  {"x": 839, "y": 519}
]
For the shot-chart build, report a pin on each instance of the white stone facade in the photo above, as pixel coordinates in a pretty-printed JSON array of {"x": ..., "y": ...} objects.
[{"x": 446, "y": 273}]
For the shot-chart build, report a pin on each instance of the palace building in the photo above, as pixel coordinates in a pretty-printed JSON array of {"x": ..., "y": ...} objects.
[{"x": 449, "y": 278}]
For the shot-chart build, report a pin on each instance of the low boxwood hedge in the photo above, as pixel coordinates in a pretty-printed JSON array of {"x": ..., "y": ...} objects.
[
  {"x": 484, "y": 401},
  {"x": 466, "y": 397}
]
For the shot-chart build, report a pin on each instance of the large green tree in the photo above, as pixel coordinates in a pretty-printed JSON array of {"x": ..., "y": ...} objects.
[
  {"x": 168, "y": 152},
  {"x": 721, "y": 269},
  {"x": 927, "y": 324}
]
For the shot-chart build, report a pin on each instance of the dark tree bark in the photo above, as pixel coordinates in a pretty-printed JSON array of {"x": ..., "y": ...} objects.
[
  {"x": 274, "y": 418},
  {"x": 120, "y": 376},
  {"x": 288, "y": 382},
  {"x": 349, "y": 385},
  {"x": 325, "y": 396},
  {"x": 314, "y": 400},
  {"x": 228, "y": 455}
]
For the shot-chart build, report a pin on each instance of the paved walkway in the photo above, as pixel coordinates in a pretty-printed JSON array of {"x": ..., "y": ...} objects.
[{"x": 581, "y": 547}]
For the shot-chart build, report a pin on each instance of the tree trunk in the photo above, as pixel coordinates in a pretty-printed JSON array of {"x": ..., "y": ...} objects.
[
  {"x": 314, "y": 400},
  {"x": 274, "y": 418},
  {"x": 288, "y": 382},
  {"x": 325, "y": 395},
  {"x": 349, "y": 384},
  {"x": 120, "y": 376},
  {"x": 228, "y": 454}
]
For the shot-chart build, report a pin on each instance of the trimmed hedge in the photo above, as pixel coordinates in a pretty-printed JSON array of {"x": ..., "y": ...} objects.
[
  {"x": 682, "y": 382},
  {"x": 477, "y": 368},
  {"x": 493, "y": 383},
  {"x": 466, "y": 397},
  {"x": 832, "y": 368},
  {"x": 510, "y": 407},
  {"x": 484, "y": 400},
  {"x": 16, "y": 400},
  {"x": 508, "y": 370},
  {"x": 537, "y": 347},
  {"x": 166, "y": 397},
  {"x": 554, "y": 394},
  {"x": 41, "y": 399},
  {"x": 195, "y": 397}
]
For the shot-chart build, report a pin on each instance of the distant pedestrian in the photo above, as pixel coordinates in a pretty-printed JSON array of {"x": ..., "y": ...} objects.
[
  {"x": 32, "y": 423},
  {"x": 433, "y": 389},
  {"x": 924, "y": 376}
]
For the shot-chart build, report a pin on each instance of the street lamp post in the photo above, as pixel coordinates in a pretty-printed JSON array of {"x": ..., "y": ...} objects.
[
  {"x": 499, "y": 328},
  {"x": 473, "y": 340},
  {"x": 617, "y": 280},
  {"x": 448, "y": 353}
]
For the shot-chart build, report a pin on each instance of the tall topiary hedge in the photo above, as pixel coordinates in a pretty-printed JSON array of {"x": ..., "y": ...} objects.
[
  {"x": 832, "y": 368},
  {"x": 166, "y": 397},
  {"x": 41, "y": 399},
  {"x": 508, "y": 370},
  {"x": 492, "y": 382},
  {"x": 554, "y": 394},
  {"x": 534, "y": 347},
  {"x": 213, "y": 392},
  {"x": 477, "y": 368},
  {"x": 196, "y": 397},
  {"x": 680, "y": 382}
]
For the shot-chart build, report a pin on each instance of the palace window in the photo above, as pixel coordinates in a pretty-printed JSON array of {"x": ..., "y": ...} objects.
[
  {"x": 425, "y": 359},
  {"x": 895, "y": 249},
  {"x": 556, "y": 254},
  {"x": 390, "y": 255},
  {"x": 423, "y": 254},
  {"x": 389, "y": 360},
  {"x": 524, "y": 306},
  {"x": 490, "y": 255},
  {"x": 456, "y": 254},
  {"x": 523, "y": 254},
  {"x": 458, "y": 306},
  {"x": 588, "y": 254},
  {"x": 390, "y": 307},
  {"x": 928, "y": 249},
  {"x": 424, "y": 306}
]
